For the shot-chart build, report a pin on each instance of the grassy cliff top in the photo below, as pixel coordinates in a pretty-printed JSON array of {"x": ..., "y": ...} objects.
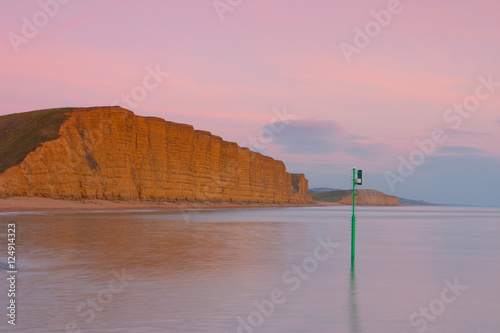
[
  {"x": 21, "y": 133},
  {"x": 337, "y": 195},
  {"x": 331, "y": 196}
]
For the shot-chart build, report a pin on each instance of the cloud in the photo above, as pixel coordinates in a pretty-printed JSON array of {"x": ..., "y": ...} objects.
[
  {"x": 82, "y": 18},
  {"x": 326, "y": 137},
  {"x": 368, "y": 151},
  {"x": 460, "y": 150},
  {"x": 462, "y": 133},
  {"x": 307, "y": 136}
]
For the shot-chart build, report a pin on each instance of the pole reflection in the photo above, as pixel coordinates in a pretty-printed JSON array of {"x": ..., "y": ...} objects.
[{"x": 353, "y": 304}]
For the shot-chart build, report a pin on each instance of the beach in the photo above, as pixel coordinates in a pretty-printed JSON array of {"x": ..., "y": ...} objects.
[{"x": 38, "y": 204}]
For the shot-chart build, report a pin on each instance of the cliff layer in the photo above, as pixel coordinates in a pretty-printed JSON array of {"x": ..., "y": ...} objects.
[{"x": 109, "y": 153}]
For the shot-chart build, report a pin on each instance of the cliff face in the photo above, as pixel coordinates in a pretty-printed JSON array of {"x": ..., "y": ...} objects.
[
  {"x": 109, "y": 153},
  {"x": 300, "y": 187},
  {"x": 370, "y": 198}
]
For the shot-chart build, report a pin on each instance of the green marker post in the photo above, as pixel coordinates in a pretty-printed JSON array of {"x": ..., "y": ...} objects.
[
  {"x": 353, "y": 219},
  {"x": 358, "y": 180}
]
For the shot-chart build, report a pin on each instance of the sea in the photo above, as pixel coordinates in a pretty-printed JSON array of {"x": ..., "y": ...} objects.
[{"x": 415, "y": 269}]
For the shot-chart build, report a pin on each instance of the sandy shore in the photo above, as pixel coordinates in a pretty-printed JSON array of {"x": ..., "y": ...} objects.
[{"x": 36, "y": 204}]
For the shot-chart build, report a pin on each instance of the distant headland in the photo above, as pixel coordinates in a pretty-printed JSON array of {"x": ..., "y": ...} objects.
[{"x": 363, "y": 198}]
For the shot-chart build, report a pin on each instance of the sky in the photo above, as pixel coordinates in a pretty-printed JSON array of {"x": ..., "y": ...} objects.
[{"x": 408, "y": 91}]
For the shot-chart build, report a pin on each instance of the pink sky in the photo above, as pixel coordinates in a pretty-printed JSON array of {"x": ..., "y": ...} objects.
[{"x": 227, "y": 76}]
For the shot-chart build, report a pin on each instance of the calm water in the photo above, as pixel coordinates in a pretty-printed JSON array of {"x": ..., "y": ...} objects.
[{"x": 257, "y": 270}]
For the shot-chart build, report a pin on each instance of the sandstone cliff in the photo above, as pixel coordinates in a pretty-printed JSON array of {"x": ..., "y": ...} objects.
[
  {"x": 363, "y": 198},
  {"x": 109, "y": 153}
]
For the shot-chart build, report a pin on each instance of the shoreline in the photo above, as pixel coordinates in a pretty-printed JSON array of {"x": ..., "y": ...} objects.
[{"x": 39, "y": 204}]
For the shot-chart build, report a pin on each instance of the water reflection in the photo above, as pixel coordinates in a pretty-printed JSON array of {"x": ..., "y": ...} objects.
[
  {"x": 201, "y": 276},
  {"x": 353, "y": 304}
]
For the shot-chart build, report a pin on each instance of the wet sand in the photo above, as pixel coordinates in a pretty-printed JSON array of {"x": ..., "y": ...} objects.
[{"x": 37, "y": 204}]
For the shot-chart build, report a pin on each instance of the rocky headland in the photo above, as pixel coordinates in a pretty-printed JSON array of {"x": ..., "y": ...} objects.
[{"x": 363, "y": 198}]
